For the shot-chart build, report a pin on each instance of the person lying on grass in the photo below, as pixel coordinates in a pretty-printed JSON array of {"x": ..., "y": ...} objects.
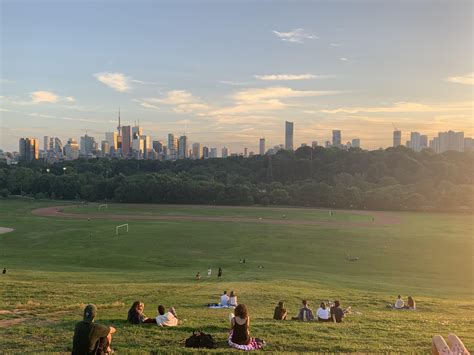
[
  {"x": 239, "y": 336},
  {"x": 90, "y": 337},
  {"x": 305, "y": 314},
  {"x": 136, "y": 315},
  {"x": 168, "y": 319}
]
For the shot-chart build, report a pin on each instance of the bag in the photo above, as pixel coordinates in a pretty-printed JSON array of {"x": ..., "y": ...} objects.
[{"x": 200, "y": 340}]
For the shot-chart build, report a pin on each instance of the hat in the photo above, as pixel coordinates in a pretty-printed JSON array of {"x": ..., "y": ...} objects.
[{"x": 90, "y": 312}]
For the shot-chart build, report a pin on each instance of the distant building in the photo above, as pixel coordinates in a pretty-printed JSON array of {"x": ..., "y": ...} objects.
[
  {"x": 205, "y": 152},
  {"x": 196, "y": 151},
  {"x": 71, "y": 149},
  {"x": 213, "y": 153},
  {"x": 105, "y": 148},
  {"x": 225, "y": 152},
  {"x": 336, "y": 138},
  {"x": 246, "y": 152},
  {"x": 468, "y": 144},
  {"x": 314, "y": 144},
  {"x": 45, "y": 143},
  {"x": 288, "y": 135},
  {"x": 126, "y": 141},
  {"x": 355, "y": 143},
  {"x": 397, "y": 138},
  {"x": 415, "y": 141},
  {"x": 88, "y": 145},
  {"x": 172, "y": 147},
  {"x": 423, "y": 142},
  {"x": 158, "y": 146},
  {"x": 327, "y": 144},
  {"x": 111, "y": 138},
  {"x": 29, "y": 149},
  {"x": 183, "y": 147},
  {"x": 262, "y": 146}
]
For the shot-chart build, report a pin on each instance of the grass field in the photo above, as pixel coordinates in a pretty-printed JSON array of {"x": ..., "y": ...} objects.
[{"x": 56, "y": 265}]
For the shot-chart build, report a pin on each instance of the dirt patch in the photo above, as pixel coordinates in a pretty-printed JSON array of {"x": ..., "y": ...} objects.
[
  {"x": 379, "y": 218},
  {"x": 5, "y": 230}
]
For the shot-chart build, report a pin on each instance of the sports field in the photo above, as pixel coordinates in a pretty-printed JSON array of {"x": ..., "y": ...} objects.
[{"x": 59, "y": 259}]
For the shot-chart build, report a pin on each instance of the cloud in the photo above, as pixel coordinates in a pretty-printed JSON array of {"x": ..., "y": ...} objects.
[
  {"x": 143, "y": 82},
  {"x": 181, "y": 100},
  {"x": 285, "y": 77},
  {"x": 233, "y": 83},
  {"x": 335, "y": 44},
  {"x": 116, "y": 81},
  {"x": 467, "y": 79},
  {"x": 49, "y": 97},
  {"x": 400, "y": 107},
  {"x": 295, "y": 36},
  {"x": 344, "y": 59},
  {"x": 7, "y": 81}
]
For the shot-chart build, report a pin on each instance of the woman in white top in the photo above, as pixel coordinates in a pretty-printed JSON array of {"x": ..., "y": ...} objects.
[
  {"x": 233, "y": 299},
  {"x": 323, "y": 313}
]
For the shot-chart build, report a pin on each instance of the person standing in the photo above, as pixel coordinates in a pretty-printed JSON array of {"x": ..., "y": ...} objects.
[
  {"x": 90, "y": 337},
  {"x": 209, "y": 271},
  {"x": 219, "y": 273}
]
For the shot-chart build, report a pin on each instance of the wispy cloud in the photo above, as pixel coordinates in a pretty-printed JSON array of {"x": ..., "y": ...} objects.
[
  {"x": 406, "y": 107},
  {"x": 287, "y": 77},
  {"x": 467, "y": 79},
  {"x": 116, "y": 81},
  {"x": 65, "y": 118},
  {"x": 335, "y": 44},
  {"x": 298, "y": 35},
  {"x": 49, "y": 97},
  {"x": 233, "y": 83},
  {"x": 182, "y": 101},
  {"x": 7, "y": 81},
  {"x": 344, "y": 59}
]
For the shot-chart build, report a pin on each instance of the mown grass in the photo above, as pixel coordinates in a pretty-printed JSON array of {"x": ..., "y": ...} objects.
[{"x": 56, "y": 266}]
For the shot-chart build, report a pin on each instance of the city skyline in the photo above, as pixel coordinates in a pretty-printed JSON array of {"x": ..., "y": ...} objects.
[{"x": 229, "y": 74}]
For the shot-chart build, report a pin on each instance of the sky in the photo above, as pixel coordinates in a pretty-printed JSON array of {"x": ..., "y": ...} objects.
[{"x": 227, "y": 73}]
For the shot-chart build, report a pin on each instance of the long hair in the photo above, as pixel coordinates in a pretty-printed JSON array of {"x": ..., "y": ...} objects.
[
  {"x": 134, "y": 305},
  {"x": 323, "y": 305},
  {"x": 241, "y": 311},
  {"x": 411, "y": 302}
]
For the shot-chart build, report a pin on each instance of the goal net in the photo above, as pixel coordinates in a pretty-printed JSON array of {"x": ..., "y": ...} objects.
[
  {"x": 103, "y": 206},
  {"x": 121, "y": 227}
]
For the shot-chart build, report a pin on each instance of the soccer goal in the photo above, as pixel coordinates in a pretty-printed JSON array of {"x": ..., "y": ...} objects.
[
  {"x": 118, "y": 228},
  {"x": 103, "y": 206}
]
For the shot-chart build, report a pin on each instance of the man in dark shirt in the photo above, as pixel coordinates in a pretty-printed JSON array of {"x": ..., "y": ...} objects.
[
  {"x": 90, "y": 337},
  {"x": 337, "y": 314}
]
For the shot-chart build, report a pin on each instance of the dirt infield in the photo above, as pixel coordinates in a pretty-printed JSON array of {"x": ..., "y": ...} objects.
[
  {"x": 380, "y": 218},
  {"x": 5, "y": 230}
]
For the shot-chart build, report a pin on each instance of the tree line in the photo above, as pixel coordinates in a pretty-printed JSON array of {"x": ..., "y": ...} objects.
[{"x": 390, "y": 179}]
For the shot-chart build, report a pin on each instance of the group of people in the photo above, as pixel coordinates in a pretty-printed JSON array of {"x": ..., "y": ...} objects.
[
  {"x": 400, "y": 303},
  {"x": 209, "y": 273},
  {"x": 228, "y": 301},
  {"x": 326, "y": 312},
  {"x": 136, "y": 315}
]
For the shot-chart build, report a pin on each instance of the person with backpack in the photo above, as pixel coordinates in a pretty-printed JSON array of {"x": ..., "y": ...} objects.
[{"x": 305, "y": 314}]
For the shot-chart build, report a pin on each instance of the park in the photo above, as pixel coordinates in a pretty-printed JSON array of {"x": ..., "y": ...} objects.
[{"x": 61, "y": 256}]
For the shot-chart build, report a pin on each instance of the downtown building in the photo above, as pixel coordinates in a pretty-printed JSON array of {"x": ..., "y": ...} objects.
[{"x": 28, "y": 149}]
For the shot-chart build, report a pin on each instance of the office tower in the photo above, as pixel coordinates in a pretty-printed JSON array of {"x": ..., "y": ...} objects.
[
  {"x": 415, "y": 141},
  {"x": 158, "y": 146},
  {"x": 28, "y": 148},
  {"x": 336, "y": 138},
  {"x": 423, "y": 142},
  {"x": 262, "y": 146},
  {"x": 327, "y": 144},
  {"x": 225, "y": 152},
  {"x": 45, "y": 143},
  {"x": 71, "y": 149},
  {"x": 105, "y": 148},
  {"x": 196, "y": 151},
  {"x": 213, "y": 153},
  {"x": 246, "y": 152},
  {"x": 288, "y": 135},
  {"x": 88, "y": 145},
  {"x": 126, "y": 141},
  {"x": 355, "y": 143},
  {"x": 468, "y": 144},
  {"x": 314, "y": 144},
  {"x": 111, "y": 138},
  {"x": 172, "y": 147},
  {"x": 138, "y": 147},
  {"x": 205, "y": 152},
  {"x": 183, "y": 147},
  {"x": 137, "y": 131},
  {"x": 397, "y": 138},
  {"x": 450, "y": 141}
]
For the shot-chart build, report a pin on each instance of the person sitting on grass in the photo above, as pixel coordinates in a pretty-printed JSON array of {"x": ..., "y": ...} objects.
[
  {"x": 305, "y": 314},
  {"x": 280, "y": 311},
  {"x": 337, "y": 313},
  {"x": 411, "y": 303},
  {"x": 90, "y": 337},
  {"x": 323, "y": 313},
  {"x": 239, "y": 336},
  {"x": 233, "y": 299},
  {"x": 399, "y": 303},
  {"x": 168, "y": 319},
  {"x": 224, "y": 300},
  {"x": 136, "y": 315},
  {"x": 198, "y": 276},
  {"x": 455, "y": 347}
]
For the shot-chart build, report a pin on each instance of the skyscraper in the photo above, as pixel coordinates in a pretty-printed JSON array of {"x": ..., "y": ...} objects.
[
  {"x": 28, "y": 148},
  {"x": 262, "y": 146},
  {"x": 126, "y": 141},
  {"x": 336, "y": 138},
  {"x": 246, "y": 152},
  {"x": 111, "y": 137},
  {"x": 213, "y": 153},
  {"x": 158, "y": 146},
  {"x": 450, "y": 141},
  {"x": 288, "y": 135},
  {"x": 423, "y": 142},
  {"x": 355, "y": 143},
  {"x": 397, "y": 138},
  {"x": 183, "y": 147},
  {"x": 71, "y": 149},
  {"x": 205, "y": 152},
  {"x": 196, "y": 151},
  {"x": 45, "y": 143},
  {"x": 172, "y": 147},
  {"x": 225, "y": 152},
  {"x": 88, "y": 145},
  {"x": 415, "y": 141}
]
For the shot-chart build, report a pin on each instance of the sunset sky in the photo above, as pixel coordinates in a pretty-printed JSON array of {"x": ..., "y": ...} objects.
[{"x": 230, "y": 72}]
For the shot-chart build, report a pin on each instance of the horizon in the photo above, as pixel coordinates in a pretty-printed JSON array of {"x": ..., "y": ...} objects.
[{"x": 229, "y": 74}]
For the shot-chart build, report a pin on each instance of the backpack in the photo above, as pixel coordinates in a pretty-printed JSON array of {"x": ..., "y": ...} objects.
[{"x": 200, "y": 340}]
